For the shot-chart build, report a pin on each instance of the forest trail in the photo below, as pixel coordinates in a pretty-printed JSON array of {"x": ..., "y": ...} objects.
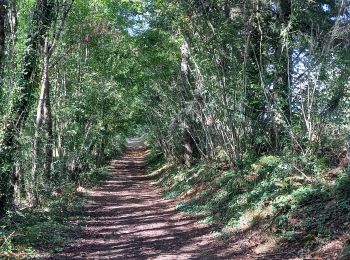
[{"x": 129, "y": 219}]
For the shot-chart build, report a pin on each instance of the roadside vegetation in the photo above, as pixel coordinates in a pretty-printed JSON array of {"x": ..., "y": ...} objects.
[{"x": 303, "y": 213}]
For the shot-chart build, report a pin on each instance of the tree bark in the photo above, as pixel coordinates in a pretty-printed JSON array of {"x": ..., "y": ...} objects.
[
  {"x": 43, "y": 114},
  {"x": 187, "y": 138},
  {"x": 48, "y": 125},
  {"x": 2, "y": 38}
]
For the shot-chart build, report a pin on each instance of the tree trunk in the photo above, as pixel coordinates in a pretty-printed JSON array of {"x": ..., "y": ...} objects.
[
  {"x": 42, "y": 111},
  {"x": 188, "y": 149},
  {"x": 286, "y": 57},
  {"x": 17, "y": 185},
  {"x": 48, "y": 123},
  {"x": 187, "y": 138},
  {"x": 2, "y": 38}
]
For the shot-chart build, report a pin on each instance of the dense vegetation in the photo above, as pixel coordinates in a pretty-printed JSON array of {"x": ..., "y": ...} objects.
[{"x": 249, "y": 99}]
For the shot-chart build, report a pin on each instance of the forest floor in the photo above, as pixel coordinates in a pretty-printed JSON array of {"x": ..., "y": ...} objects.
[{"x": 128, "y": 218}]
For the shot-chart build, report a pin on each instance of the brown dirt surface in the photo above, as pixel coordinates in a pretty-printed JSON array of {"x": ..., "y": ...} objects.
[{"x": 129, "y": 219}]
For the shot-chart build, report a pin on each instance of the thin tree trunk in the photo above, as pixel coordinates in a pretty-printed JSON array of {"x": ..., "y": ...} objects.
[
  {"x": 188, "y": 142},
  {"x": 2, "y": 38},
  {"x": 48, "y": 122},
  {"x": 12, "y": 18},
  {"x": 17, "y": 185},
  {"x": 32, "y": 196}
]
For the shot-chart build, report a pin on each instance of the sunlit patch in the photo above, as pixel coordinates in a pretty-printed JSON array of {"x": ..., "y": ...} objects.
[
  {"x": 269, "y": 244},
  {"x": 331, "y": 250}
]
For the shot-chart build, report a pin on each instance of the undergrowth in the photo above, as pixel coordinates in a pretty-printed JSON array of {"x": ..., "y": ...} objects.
[
  {"x": 24, "y": 233},
  {"x": 297, "y": 199},
  {"x": 90, "y": 178},
  {"x": 154, "y": 160},
  {"x": 27, "y": 233}
]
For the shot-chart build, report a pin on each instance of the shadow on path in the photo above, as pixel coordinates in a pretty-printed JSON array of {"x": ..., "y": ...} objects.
[{"x": 129, "y": 219}]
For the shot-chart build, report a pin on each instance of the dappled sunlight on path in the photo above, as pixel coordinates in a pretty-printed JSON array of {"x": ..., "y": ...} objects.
[{"x": 128, "y": 218}]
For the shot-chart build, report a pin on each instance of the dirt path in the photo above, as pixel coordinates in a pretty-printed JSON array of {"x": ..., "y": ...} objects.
[{"x": 129, "y": 219}]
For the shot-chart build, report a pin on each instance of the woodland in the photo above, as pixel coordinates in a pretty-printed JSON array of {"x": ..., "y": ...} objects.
[{"x": 244, "y": 104}]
